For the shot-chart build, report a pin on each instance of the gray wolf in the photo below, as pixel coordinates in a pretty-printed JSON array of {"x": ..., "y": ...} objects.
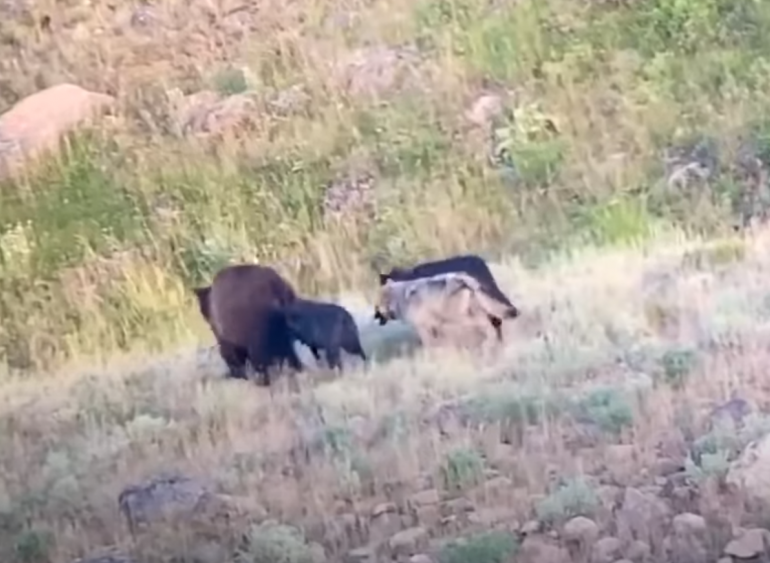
[
  {"x": 470, "y": 264},
  {"x": 440, "y": 306},
  {"x": 324, "y": 326},
  {"x": 238, "y": 306}
]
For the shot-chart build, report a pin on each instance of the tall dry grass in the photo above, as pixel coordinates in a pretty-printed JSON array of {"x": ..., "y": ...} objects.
[{"x": 101, "y": 246}]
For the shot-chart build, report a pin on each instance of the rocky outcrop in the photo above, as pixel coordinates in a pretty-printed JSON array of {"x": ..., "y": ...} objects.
[{"x": 36, "y": 124}]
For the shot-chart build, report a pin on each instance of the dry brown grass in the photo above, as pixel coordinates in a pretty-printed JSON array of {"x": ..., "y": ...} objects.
[
  {"x": 72, "y": 441},
  {"x": 99, "y": 250}
]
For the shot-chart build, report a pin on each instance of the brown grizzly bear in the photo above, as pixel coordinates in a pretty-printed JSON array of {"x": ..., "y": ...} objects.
[{"x": 239, "y": 307}]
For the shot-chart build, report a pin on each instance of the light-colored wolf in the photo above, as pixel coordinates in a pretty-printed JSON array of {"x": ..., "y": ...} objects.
[{"x": 447, "y": 307}]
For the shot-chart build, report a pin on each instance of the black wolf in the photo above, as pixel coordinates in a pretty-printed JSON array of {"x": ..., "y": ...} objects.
[{"x": 324, "y": 326}]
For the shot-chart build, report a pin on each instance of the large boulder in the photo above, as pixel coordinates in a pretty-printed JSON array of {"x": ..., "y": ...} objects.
[
  {"x": 36, "y": 124},
  {"x": 749, "y": 474}
]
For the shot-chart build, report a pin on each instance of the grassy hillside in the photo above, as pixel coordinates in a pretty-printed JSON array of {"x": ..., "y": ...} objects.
[
  {"x": 603, "y": 389},
  {"x": 431, "y": 126},
  {"x": 602, "y": 155}
]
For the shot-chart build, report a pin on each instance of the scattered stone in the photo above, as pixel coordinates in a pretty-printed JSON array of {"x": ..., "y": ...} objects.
[
  {"x": 37, "y": 123},
  {"x": 751, "y": 543},
  {"x": 620, "y": 460},
  {"x": 409, "y": 541},
  {"x": 291, "y": 100},
  {"x": 170, "y": 497},
  {"x": 690, "y": 541},
  {"x": 642, "y": 516},
  {"x": 383, "y": 526},
  {"x": 377, "y": 70},
  {"x": 537, "y": 549},
  {"x": 425, "y": 498},
  {"x": 428, "y": 516},
  {"x": 361, "y": 555},
  {"x": 383, "y": 508},
  {"x": 750, "y": 472},
  {"x": 736, "y": 409},
  {"x": 666, "y": 466},
  {"x": 317, "y": 553},
  {"x": 457, "y": 506},
  {"x": 638, "y": 551},
  {"x": 607, "y": 550},
  {"x": 581, "y": 530},
  {"x": 485, "y": 109},
  {"x": 142, "y": 17},
  {"x": 530, "y": 527},
  {"x": 112, "y": 558},
  {"x": 492, "y": 516},
  {"x": 209, "y": 552},
  {"x": 214, "y": 115},
  {"x": 497, "y": 487}
]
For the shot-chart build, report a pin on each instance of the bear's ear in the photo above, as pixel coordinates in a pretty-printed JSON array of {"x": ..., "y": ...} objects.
[{"x": 203, "y": 293}]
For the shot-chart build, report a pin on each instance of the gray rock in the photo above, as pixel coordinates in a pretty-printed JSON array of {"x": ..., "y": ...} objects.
[
  {"x": 735, "y": 409},
  {"x": 750, "y": 472},
  {"x": 606, "y": 550},
  {"x": 751, "y": 543},
  {"x": 537, "y": 549},
  {"x": 111, "y": 558},
  {"x": 620, "y": 460},
  {"x": 581, "y": 530},
  {"x": 361, "y": 555},
  {"x": 642, "y": 516},
  {"x": 384, "y": 508},
  {"x": 420, "y": 558},
  {"x": 638, "y": 551},
  {"x": 690, "y": 540},
  {"x": 485, "y": 109},
  {"x": 162, "y": 497},
  {"x": 425, "y": 498},
  {"x": 377, "y": 70},
  {"x": 530, "y": 527},
  {"x": 409, "y": 542}
]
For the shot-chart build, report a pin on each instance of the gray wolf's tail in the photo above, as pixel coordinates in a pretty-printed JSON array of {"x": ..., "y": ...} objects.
[{"x": 493, "y": 304}]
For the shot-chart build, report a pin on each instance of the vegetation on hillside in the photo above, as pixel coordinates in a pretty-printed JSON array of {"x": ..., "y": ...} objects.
[{"x": 375, "y": 133}]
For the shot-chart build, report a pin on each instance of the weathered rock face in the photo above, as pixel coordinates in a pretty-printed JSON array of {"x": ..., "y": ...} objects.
[
  {"x": 690, "y": 541},
  {"x": 171, "y": 497},
  {"x": 107, "y": 559},
  {"x": 36, "y": 124},
  {"x": 207, "y": 113},
  {"x": 643, "y": 516},
  {"x": 750, "y": 473},
  {"x": 378, "y": 70},
  {"x": 749, "y": 544}
]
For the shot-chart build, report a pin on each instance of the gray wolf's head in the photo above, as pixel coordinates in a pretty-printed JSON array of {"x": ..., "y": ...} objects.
[{"x": 390, "y": 297}]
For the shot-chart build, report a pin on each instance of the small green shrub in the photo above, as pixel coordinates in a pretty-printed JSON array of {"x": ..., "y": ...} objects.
[
  {"x": 271, "y": 542},
  {"x": 488, "y": 547},
  {"x": 462, "y": 468},
  {"x": 677, "y": 366},
  {"x": 610, "y": 409},
  {"x": 575, "y": 497}
]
